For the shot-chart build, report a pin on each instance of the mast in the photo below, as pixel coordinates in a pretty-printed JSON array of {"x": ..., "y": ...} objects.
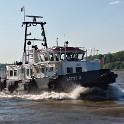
[{"x": 27, "y": 24}]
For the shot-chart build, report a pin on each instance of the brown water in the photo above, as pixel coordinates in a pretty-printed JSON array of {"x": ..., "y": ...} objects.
[{"x": 62, "y": 108}]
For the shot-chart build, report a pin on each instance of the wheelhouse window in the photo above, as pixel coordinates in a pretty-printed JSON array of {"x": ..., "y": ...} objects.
[
  {"x": 51, "y": 56},
  {"x": 78, "y": 69},
  {"x": 57, "y": 56},
  {"x": 69, "y": 70},
  {"x": 27, "y": 72},
  {"x": 15, "y": 72},
  {"x": 11, "y": 72},
  {"x": 42, "y": 70},
  {"x": 77, "y": 56},
  {"x": 80, "y": 56}
]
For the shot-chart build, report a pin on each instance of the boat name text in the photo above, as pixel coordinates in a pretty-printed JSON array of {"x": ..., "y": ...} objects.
[{"x": 70, "y": 78}]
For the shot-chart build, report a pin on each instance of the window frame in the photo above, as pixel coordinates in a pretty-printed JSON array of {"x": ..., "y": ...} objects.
[{"x": 69, "y": 70}]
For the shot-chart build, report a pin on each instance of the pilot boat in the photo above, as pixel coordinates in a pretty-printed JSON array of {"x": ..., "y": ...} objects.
[{"x": 58, "y": 68}]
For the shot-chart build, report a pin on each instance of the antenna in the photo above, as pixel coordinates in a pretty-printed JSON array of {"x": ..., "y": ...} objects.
[
  {"x": 57, "y": 42},
  {"x": 34, "y": 17}
]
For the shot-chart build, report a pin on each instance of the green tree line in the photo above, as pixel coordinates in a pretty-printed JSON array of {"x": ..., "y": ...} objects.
[{"x": 114, "y": 61}]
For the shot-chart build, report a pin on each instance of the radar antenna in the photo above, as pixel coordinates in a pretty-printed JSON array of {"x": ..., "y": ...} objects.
[{"x": 34, "y": 17}]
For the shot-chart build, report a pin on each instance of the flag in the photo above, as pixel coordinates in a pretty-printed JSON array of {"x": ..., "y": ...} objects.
[
  {"x": 22, "y": 9},
  {"x": 102, "y": 61}
]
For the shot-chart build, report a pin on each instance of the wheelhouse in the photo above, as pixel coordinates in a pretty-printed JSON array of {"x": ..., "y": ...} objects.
[
  {"x": 18, "y": 72},
  {"x": 57, "y": 53},
  {"x": 12, "y": 72}
]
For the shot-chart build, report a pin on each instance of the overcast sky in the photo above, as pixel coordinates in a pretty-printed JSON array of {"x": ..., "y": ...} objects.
[{"x": 95, "y": 24}]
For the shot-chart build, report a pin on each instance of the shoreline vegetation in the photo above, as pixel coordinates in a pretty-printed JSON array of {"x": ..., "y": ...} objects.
[{"x": 113, "y": 61}]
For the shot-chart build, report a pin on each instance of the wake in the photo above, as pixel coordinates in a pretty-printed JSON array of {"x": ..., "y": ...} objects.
[
  {"x": 114, "y": 91},
  {"x": 79, "y": 92},
  {"x": 75, "y": 94}
]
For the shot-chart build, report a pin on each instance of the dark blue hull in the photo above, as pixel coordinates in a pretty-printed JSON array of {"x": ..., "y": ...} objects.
[
  {"x": 63, "y": 83},
  {"x": 98, "y": 78}
]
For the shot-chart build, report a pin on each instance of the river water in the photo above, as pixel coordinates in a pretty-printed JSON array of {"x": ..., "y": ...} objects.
[{"x": 63, "y": 108}]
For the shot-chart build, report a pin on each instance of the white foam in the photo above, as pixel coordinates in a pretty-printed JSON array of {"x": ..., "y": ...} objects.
[
  {"x": 77, "y": 91},
  {"x": 50, "y": 95},
  {"x": 4, "y": 95},
  {"x": 114, "y": 91}
]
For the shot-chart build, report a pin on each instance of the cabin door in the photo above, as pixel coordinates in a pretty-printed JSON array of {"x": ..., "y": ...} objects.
[
  {"x": 20, "y": 74},
  {"x": 28, "y": 72}
]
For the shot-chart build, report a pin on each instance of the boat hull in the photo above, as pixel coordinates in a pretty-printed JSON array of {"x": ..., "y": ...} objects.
[
  {"x": 99, "y": 78},
  {"x": 63, "y": 83}
]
